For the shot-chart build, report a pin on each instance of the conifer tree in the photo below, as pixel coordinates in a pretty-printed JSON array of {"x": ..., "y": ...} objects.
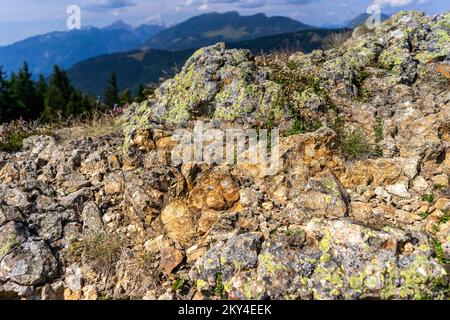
[
  {"x": 41, "y": 92},
  {"x": 140, "y": 95},
  {"x": 5, "y": 98},
  {"x": 112, "y": 91},
  {"x": 24, "y": 94},
  {"x": 58, "y": 95},
  {"x": 125, "y": 97}
]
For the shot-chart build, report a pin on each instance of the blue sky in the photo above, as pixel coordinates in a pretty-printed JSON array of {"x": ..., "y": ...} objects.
[{"x": 23, "y": 18}]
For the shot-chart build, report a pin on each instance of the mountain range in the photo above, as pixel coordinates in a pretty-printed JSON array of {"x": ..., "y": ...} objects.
[
  {"x": 65, "y": 48},
  {"x": 216, "y": 27}
]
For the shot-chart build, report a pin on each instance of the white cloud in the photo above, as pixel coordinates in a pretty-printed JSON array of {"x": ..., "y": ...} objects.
[{"x": 393, "y": 3}]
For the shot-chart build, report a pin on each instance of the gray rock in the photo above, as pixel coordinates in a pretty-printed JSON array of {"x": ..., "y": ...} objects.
[
  {"x": 32, "y": 263},
  {"x": 92, "y": 217},
  {"x": 11, "y": 290},
  {"x": 223, "y": 260},
  {"x": 12, "y": 234},
  {"x": 74, "y": 278},
  {"x": 53, "y": 291},
  {"x": 8, "y": 213},
  {"x": 17, "y": 198},
  {"x": 48, "y": 225},
  {"x": 76, "y": 200}
]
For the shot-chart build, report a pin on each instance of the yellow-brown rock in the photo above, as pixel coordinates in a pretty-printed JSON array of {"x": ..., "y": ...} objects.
[
  {"x": 178, "y": 221},
  {"x": 170, "y": 259},
  {"x": 214, "y": 191}
]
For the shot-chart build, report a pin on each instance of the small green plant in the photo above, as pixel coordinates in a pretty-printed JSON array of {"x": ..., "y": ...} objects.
[
  {"x": 440, "y": 255},
  {"x": 299, "y": 127},
  {"x": 219, "y": 289},
  {"x": 13, "y": 142},
  {"x": 105, "y": 297},
  {"x": 429, "y": 198},
  {"x": 178, "y": 284},
  {"x": 364, "y": 95},
  {"x": 379, "y": 135},
  {"x": 291, "y": 65},
  {"x": 445, "y": 217},
  {"x": 296, "y": 233},
  {"x": 296, "y": 83},
  {"x": 423, "y": 215},
  {"x": 440, "y": 186},
  {"x": 436, "y": 228}
]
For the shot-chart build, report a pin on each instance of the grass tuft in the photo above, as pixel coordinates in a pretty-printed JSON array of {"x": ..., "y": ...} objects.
[
  {"x": 355, "y": 144},
  {"x": 102, "y": 250}
]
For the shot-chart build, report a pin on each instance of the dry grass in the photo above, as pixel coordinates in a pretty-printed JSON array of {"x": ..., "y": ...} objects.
[
  {"x": 101, "y": 251},
  {"x": 275, "y": 57},
  {"x": 336, "y": 40},
  {"x": 353, "y": 142},
  {"x": 143, "y": 267},
  {"x": 93, "y": 124}
]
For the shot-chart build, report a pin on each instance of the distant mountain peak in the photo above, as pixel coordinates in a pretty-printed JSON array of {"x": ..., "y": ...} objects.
[
  {"x": 362, "y": 18},
  {"x": 155, "y": 21},
  {"x": 226, "y": 13},
  {"x": 118, "y": 25}
]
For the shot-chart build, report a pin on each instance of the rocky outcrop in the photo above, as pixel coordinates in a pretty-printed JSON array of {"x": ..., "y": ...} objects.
[{"x": 358, "y": 208}]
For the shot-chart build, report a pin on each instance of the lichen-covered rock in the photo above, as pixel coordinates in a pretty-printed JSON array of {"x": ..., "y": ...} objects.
[
  {"x": 343, "y": 260},
  {"x": 213, "y": 272},
  {"x": 215, "y": 82},
  {"x": 324, "y": 196},
  {"x": 32, "y": 263},
  {"x": 12, "y": 234}
]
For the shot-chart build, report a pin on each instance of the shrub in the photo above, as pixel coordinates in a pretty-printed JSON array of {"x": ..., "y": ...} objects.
[
  {"x": 299, "y": 127},
  {"x": 13, "y": 133},
  {"x": 219, "y": 289},
  {"x": 445, "y": 217}
]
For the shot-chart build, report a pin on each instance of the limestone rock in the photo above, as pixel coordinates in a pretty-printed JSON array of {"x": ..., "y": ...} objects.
[
  {"x": 214, "y": 191},
  {"x": 178, "y": 221}
]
